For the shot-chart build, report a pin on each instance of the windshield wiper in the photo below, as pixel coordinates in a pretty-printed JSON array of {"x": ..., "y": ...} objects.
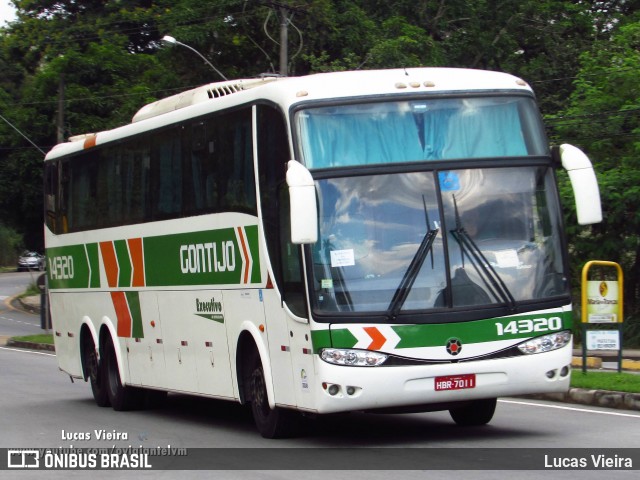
[
  {"x": 402, "y": 292},
  {"x": 490, "y": 277}
]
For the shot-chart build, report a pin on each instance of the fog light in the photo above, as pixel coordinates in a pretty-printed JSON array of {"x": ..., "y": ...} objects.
[
  {"x": 351, "y": 390},
  {"x": 333, "y": 390},
  {"x": 565, "y": 371},
  {"x": 551, "y": 374}
]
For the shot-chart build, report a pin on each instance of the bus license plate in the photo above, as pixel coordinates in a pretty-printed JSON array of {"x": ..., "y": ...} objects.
[{"x": 455, "y": 382}]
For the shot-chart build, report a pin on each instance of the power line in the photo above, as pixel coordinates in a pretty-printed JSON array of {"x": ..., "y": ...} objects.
[{"x": 18, "y": 130}]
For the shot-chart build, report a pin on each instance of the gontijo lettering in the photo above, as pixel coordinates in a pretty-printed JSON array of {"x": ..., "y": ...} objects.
[{"x": 208, "y": 257}]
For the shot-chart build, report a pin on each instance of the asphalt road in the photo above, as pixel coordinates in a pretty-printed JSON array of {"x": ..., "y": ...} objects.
[
  {"x": 40, "y": 407},
  {"x": 14, "y": 322}
]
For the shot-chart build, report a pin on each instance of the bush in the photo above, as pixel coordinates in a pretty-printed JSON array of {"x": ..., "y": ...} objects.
[{"x": 10, "y": 245}]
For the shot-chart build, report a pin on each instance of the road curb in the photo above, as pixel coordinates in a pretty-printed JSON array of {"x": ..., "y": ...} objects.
[
  {"x": 30, "y": 345},
  {"x": 29, "y": 308},
  {"x": 597, "y": 398}
]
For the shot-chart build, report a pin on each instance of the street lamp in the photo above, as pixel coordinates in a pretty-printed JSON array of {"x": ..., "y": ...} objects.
[{"x": 173, "y": 41}]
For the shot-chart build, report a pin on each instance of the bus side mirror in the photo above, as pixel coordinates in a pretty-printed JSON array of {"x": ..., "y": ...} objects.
[
  {"x": 302, "y": 197},
  {"x": 584, "y": 184}
]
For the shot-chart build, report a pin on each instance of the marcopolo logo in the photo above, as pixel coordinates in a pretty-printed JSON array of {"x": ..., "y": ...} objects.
[{"x": 453, "y": 346}]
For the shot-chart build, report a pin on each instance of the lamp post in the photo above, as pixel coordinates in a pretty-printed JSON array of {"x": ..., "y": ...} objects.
[{"x": 173, "y": 41}]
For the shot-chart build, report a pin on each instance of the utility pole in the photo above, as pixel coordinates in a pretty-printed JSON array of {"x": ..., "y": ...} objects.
[
  {"x": 286, "y": 12},
  {"x": 60, "y": 116},
  {"x": 284, "y": 41}
]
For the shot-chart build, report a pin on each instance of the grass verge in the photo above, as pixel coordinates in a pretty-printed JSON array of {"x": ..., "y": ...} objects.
[
  {"x": 617, "y": 382},
  {"x": 42, "y": 338},
  {"x": 31, "y": 290}
]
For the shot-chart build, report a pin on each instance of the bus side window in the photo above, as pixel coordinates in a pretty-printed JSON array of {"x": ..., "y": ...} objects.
[
  {"x": 166, "y": 174},
  {"x": 51, "y": 196},
  {"x": 273, "y": 153},
  {"x": 63, "y": 214},
  {"x": 292, "y": 281}
]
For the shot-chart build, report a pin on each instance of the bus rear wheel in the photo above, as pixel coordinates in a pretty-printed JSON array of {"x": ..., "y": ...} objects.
[
  {"x": 95, "y": 372},
  {"x": 270, "y": 422},
  {"x": 474, "y": 414},
  {"x": 121, "y": 397}
]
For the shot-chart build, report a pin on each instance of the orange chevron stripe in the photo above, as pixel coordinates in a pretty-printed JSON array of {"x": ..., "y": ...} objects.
[
  {"x": 376, "y": 336},
  {"x": 110, "y": 263},
  {"x": 90, "y": 142},
  {"x": 137, "y": 261},
  {"x": 243, "y": 243},
  {"x": 122, "y": 312}
]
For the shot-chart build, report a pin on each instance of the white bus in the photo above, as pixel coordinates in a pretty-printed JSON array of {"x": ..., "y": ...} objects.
[{"x": 356, "y": 241}]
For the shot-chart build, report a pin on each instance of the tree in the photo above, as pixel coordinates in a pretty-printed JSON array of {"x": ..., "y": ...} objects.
[
  {"x": 88, "y": 50},
  {"x": 604, "y": 119}
]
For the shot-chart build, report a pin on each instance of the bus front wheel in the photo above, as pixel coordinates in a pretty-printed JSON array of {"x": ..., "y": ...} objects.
[
  {"x": 476, "y": 413},
  {"x": 270, "y": 422}
]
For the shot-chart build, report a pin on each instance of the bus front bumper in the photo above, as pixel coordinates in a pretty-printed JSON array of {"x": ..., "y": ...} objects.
[{"x": 344, "y": 388}]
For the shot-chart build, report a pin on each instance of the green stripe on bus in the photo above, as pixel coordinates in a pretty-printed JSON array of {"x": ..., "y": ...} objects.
[
  {"x": 320, "y": 339},
  {"x": 133, "y": 300},
  {"x": 252, "y": 240},
  {"x": 68, "y": 267},
  {"x": 478, "y": 331},
  {"x": 212, "y": 257},
  {"x": 124, "y": 263},
  {"x": 94, "y": 264},
  {"x": 200, "y": 258}
]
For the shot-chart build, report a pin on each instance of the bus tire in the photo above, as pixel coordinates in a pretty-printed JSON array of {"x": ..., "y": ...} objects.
[
  {"x": 271, "y": 423},
  {"x": 474, "y": 414},
  {"x": 121, "y": 397},
  {"x": 95, "y": 372}
]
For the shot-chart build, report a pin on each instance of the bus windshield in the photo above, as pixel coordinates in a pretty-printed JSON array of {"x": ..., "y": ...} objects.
[
  {"x": 418, "y": 130},
  {"x": 388, "y": 244}
]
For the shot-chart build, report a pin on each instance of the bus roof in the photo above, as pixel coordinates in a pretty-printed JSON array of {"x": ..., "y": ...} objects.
[{"x": 287, "y": 91}]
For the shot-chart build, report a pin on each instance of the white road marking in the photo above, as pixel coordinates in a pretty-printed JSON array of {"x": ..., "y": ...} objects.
[
  {"x": 575, "y": 409},
  {"x": 19, "y": 321},
  {"x": 28, "y": 351}
]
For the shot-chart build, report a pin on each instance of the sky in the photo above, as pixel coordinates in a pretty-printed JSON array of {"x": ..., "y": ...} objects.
[{"x": 7, "y": 12}]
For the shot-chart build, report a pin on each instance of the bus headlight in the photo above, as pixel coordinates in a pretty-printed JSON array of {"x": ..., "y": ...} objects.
[
  {"x": 355, "y": 358},
  {"x": 546, "y": 343}
]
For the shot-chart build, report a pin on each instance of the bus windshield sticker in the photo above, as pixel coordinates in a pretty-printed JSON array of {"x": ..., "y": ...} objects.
[
  {"x": 449, "y": 181},
  {"x": 327, "y": 283},
  {"x": 507, "y": 258},
  {"x": 342, "y": 258}
]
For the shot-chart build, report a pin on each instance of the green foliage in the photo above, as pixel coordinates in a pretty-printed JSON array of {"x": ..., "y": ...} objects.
[
  {"x": 602, "y": 117},
  {"x": 43, "y": 338},
  {"x": 615, "y": 382},
  {"x": 10, "y": 246}
]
